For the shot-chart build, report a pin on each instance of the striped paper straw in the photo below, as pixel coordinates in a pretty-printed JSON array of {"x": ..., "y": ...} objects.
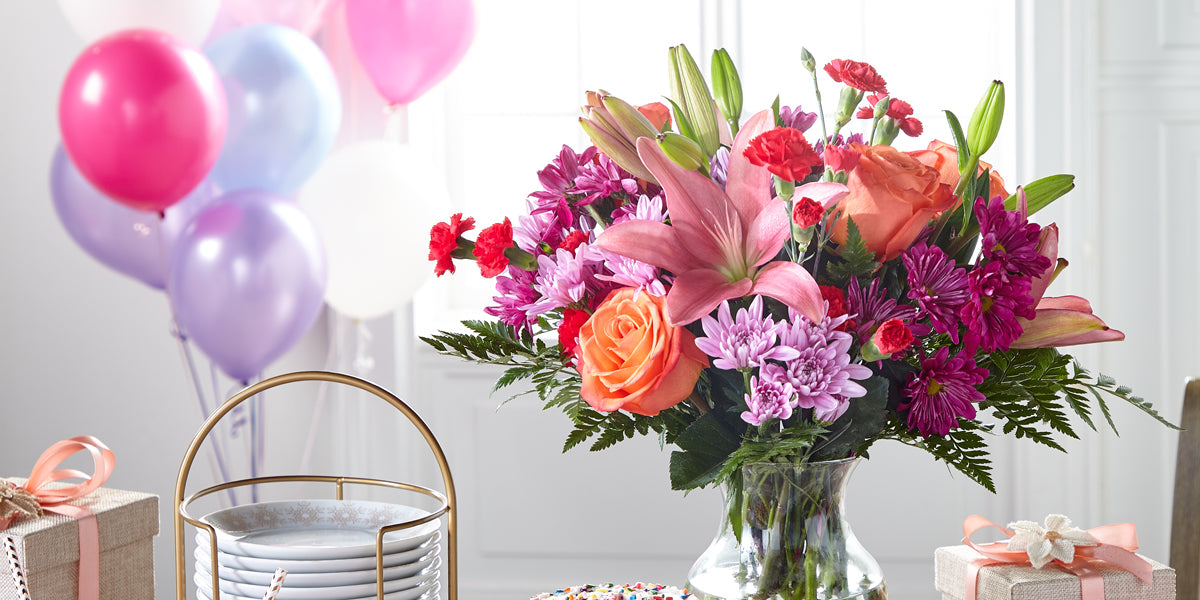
[
  {"x": 14, "y": 565},
  {"x": 276, "y": 585}
]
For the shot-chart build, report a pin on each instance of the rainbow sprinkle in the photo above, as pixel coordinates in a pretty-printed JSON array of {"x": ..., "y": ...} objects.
[{"x": 608, "y": 591}]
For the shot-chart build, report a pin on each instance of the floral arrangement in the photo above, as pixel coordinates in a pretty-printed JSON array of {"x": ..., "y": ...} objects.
[{"x": 781, "y": 290}]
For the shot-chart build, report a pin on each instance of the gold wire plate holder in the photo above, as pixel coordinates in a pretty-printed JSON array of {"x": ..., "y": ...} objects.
[{"x": 448, "y": 504}]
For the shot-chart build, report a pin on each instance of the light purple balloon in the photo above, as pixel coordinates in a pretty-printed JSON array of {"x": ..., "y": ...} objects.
[
  {"x": 247, "y": 280},
  {"x": 122, "y": 238}
]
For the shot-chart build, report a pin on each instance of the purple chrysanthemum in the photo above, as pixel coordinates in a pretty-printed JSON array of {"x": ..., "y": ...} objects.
[
  {"x": 938, "y": 285},
  {"x": 770, "y": 396},
  {"x": 516, "y": 293},
  {"x": 718, "y": 166},
  {"x": 602, "y": 178},
  {"x": 997, "y": 299},
  {"x": 871, "y": 307},
  {"x": 822, "y": 375},
  {"x": 831, "y": 414},
  {"x": 557, "y": 179},
  {"x": 537, "y": 232},
  {"x": 942, "y": 391},
  {"x": 1008, "y": 236},
  {"x": 796, "y": 118},
  {"x": 562, "y": 280},
  {"x": 748, "y": 340}
]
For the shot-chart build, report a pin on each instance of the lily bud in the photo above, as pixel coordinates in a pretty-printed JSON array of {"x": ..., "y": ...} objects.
[
  {"x": 806, "y": 59},
  {"x": 985, "y": 122},
  {"x": 690, "y": 92},
  {"x": 630, "y": 122},
  {"x": 684, "y": 151},
  {"x": 618, "y": 149},
  {"x": 727, "y": 86}
]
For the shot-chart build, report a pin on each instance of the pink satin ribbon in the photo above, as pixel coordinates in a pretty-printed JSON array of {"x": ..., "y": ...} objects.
[
  {"x": 46, "y": 472},
  {"x": 1115, "y": 550}
]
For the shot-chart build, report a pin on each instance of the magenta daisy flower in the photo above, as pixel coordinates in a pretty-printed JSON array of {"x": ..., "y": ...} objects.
[
  {"x": 796, "y": 118},
  {"x": 1008, "y": 236},
  {"x": 942, "y": 392},
  {"x": 516, "y": 293},
  {"x": 748, "y": 340},
  {"x": 822, "y": 375},
  {"x": 938, "y": 285},
  {"x": 557, "y": 179},
  {"x": 871, "y": 307},
  {"x": 602, "y": 178},
  {"x": 997, "y": 299},
  {"x": 770, "y": 396}
]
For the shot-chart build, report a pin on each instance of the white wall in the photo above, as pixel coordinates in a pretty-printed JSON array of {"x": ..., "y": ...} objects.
[{"x": 85, "y": 350}]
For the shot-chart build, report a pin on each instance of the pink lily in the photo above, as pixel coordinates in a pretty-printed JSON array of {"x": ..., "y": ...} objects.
[
  {"x": 1062, "y": 321},
  {"x": 719, "y": 243}
]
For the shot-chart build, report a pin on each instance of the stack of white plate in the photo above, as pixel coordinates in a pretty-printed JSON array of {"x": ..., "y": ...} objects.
[{"x": 326, "y": 546}]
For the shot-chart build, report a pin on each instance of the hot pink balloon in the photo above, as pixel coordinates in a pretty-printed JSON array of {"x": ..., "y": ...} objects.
[
  {"x": 142, "y": 117},
  {"x": 408, "y": 46},
  {"x": 305, "y": 16}
]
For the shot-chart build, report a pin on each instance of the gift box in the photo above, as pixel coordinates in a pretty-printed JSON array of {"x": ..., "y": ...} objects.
[
  {"x": 47, "y": 549},
  {"x": 1023, "y": 582}
]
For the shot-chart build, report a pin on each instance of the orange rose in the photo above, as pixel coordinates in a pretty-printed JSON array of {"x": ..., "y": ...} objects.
[
  {"x": 944, "y": 158},
  {"x": 892, "y": 197},
  {"x": 631, "y": 358}
]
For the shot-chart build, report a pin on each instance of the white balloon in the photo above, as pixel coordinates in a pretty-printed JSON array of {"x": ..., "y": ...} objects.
[
  {"x": 374, "y": 202},
  {"x": 189, "y": 20}
]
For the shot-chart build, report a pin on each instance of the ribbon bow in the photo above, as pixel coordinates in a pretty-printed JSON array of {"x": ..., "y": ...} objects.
[
  {"x": 36, "y": 495},
  {"x": 1114, "y": 548}
]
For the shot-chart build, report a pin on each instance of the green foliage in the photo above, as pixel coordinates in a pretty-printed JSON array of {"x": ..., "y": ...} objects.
[
  {"x": 854, "y": 431},
  {"x": 963, "y": 449},
  {"x": 703, "y": 448},
  {"x": 791, "y": 445},
  {"x": 856, "y": 259},
  {"x": 1024, "y": 389}
]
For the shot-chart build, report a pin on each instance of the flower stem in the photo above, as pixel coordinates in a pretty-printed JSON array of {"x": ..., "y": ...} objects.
[{"x": 820, "y": 109}]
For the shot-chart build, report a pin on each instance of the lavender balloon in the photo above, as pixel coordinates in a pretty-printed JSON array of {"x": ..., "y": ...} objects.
[
  {"x": 247, "y": 280},
  {"x": 122, "y": 238}
]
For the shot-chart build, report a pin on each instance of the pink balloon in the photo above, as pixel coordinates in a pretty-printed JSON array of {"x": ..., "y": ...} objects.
[
  {"x": 305, "y": 16},
  {"x": 142, "y": 117},
  {"x": 408, "y": 46}
]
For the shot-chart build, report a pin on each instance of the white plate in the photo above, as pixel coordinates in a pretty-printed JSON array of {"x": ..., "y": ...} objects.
[
  {"x": 203, "y": 565},
  {"x": 268, "y": 565},
  {"x": 315, "y": 529},
  {"x": 429, "y": 593},
  {"x": 345, "y": 592}
]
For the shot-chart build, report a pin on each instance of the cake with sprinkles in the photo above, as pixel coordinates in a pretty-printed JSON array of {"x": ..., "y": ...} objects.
[{"x": 608, "y": 591}]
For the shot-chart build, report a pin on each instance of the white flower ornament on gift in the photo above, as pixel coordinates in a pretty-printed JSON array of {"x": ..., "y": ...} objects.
[{"x": 1056, "y": 540}]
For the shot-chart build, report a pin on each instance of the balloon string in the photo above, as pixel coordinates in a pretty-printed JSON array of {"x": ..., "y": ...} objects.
[
  {"x": 322, "y": 392},
  {"x": 255, "y": 439},
  {"x": 186, "y": 352}
]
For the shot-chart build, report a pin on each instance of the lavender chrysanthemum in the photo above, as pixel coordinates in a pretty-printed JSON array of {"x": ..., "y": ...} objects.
[
  {"x": 516, "y": 293},
  {"x": 770, "y": 396},
  {"x": 718, "y": 166},
  {"x": 602, "y": 178},
  {"x": 748, "y": 340},
  {"x": 537, "y": 232},
  {"x": 942, "y": 392},
  {"x": 822, "y": 375},
  {"x": 872, "y": 307},
  {"x": 997, "y": 299},
  {"x": 938, "y": 285},
  {"x": 646, "y": 208},
  {"x": 562, "y": 280},
  {"x": 1008, "y": 236},
  {"x": 628, "y": 272}
]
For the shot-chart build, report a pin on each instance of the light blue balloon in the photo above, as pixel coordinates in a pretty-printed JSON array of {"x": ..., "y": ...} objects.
[{"x": 284, "y": 108}]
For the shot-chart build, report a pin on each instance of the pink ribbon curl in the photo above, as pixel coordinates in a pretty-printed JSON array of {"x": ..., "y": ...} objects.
[
  {"x": 55, "y": 499},
  {"x": 1115, "y": 550}
]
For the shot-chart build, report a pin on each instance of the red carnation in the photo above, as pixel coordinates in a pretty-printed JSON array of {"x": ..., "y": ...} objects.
[
  {"x": 807, "y": 212},
  {"x": 490, "y": 247},
  {"x": 443, "y": 240},
  {"x": 573, "y": 240},
  {"x": 568, "y": 330},
  {"x": 858, "y": 75},
  {"x": 838, "y": 158},
  {"x": 898, "y": 110},
  {"x": 836, "y": 299},
  {"x": 891, "y": 337},
  {"x": 784, "y": 152}
]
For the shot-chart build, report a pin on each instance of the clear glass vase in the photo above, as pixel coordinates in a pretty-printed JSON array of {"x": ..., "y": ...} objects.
[{"x": 784, "y": 536}]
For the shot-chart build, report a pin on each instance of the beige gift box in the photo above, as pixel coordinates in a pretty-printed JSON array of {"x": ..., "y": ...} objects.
[
  {"x": 1017, "y": 582},
  {"x": 48, "y": 549}
]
